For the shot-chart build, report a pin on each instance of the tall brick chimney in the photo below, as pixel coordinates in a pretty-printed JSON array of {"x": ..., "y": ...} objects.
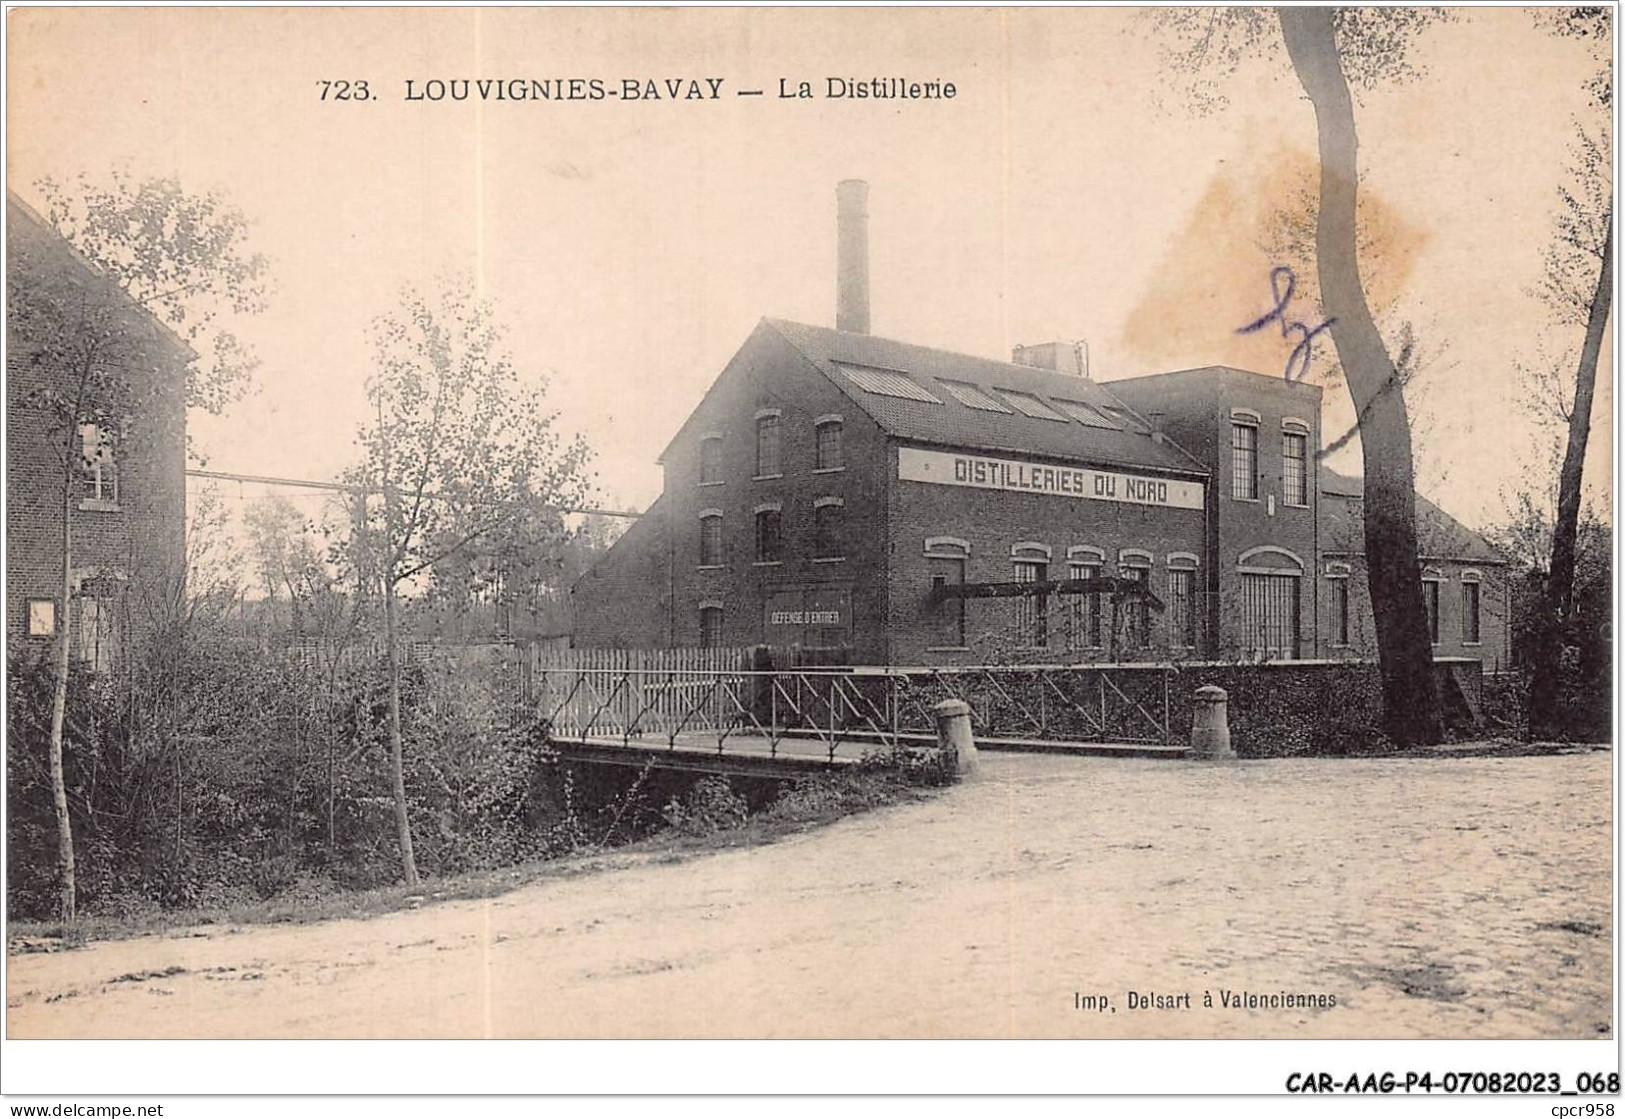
[{"x": 852, "y": 256}]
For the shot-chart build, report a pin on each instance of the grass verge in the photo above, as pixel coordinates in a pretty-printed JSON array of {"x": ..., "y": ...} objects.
[{"x": 807, "y": 804}]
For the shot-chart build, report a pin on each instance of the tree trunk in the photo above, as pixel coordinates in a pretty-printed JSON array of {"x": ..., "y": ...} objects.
[
  {"x": 1404, "y": 646},
  {"x": 397, "y": 765},
  {"x": 1557, "y": 605},
  {"x": 66, "y": 905}
]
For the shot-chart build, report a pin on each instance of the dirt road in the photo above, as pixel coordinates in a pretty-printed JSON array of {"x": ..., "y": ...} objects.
[{"x": 1460, "y": 898}]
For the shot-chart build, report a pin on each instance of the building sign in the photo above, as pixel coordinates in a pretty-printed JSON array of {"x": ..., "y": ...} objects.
[
  {"x": 804, "y": 618},
  {"x": 946, "y": 468},
  {"x": 810, "y": 616}
]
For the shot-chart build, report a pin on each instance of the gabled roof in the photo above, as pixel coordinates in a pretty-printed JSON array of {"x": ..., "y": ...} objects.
[
  {"x": 1438, "y": 534},
  {"x": 949, "y": 421},
  {"x": 1203, "y": 371}
]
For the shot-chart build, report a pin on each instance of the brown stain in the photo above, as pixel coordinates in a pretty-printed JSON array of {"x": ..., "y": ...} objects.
[{"x": 1214, "y": 276}]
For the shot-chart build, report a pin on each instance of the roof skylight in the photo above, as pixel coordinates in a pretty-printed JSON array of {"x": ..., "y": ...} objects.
[
  {"x": 1028, "y": 404},
  {"x": 1085, "y": 414},
  {"x": 971, "y": 396},
  {"x": 886, "y": 382}
]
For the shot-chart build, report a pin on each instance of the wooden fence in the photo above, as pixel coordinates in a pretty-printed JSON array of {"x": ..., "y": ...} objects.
[{"x": 652, "y": 689}]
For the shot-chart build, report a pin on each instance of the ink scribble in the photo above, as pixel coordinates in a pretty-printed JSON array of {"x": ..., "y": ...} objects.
[{"x": 1297, "y": 362}]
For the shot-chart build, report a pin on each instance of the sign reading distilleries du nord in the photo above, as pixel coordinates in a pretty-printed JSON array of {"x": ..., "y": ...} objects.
[{"x": 948, "y": 469}]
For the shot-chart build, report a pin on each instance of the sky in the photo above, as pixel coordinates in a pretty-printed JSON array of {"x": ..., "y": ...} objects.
[{"x": 1066, "y": 192}]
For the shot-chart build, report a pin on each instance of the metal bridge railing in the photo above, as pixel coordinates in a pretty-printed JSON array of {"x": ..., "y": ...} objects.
[
  {"x": 750, "y": 711},
  {"x": 823, "y": 710}
]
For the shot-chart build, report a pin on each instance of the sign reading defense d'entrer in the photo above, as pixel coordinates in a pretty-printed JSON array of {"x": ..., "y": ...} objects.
[{"x": 945, "y": 468}]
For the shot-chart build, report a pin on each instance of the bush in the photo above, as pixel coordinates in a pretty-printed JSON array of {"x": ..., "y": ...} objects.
[
  {"x": 103, "y": 867},
  {"x": 710, "y": 805},
  {"x": 830, "y": 796},
  {"x": 209, "y": 770},
  {"x": 1290, "y": 710},
  {"x": 1506, "y": 704},
  {"x": 473, "y": 772}
]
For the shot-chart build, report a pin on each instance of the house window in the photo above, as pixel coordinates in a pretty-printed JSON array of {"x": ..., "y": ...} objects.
[
  {"x": 1244, "y": 461},
  {"x": 711, "y": 540},
  {"x": 1294, "y": 468},
  {"x": 1031, "y": 621},
  {"x": 1136, "y": 614},
  {"x": 710, "y": 460},
  {"x": 948, "y": 631},
  {"x": 828, "y": 522},
  {"x": 1470, "y": 634},
  {"x": 768, "y": 461},
  {"x": 98, "y": 470},
  {"x": 1430, "y": 600},
  {"x": 1340, "y": 611},
  {"x": 1083, "y": 611},
  {"x": 1270, "y": 615},
  {"x": 710, "y": 627},
  {"x": 1182, "y": 608},
  {"x": 42, "y": 617},
  {"x": 829, "y": 453},
  {"x": 769, "y": 539}
]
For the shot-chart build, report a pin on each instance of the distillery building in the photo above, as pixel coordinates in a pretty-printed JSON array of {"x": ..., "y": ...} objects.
[{"x": 910, "y": 506}]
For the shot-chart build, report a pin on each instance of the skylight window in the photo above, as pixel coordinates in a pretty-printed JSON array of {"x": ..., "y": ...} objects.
[
  {"x": 1085, "y": 414},
  {"x": 885, "y": 382},
  {"x": 1030, "y": 405},
  {"x": 973, "y": 397}
]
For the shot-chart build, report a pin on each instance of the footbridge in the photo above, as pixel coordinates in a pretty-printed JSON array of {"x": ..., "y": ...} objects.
[{"x": 715, "y": 718}]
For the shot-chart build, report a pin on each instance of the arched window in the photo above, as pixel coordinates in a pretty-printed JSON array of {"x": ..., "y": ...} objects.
[
  {"x": 1244, "y": 455},
  {"x": 769, "y": 534},
  {"x": 711, "y": 460},
  {"x": 829, "y": 453},
  {"x": 1271, "y": 597},
  {"x": 829, "y": 522},
  {"x": 1135, "y": 623},
  {"x": 1294, "y": 467},
  {"x": 1471, "y": 602},
  {"x": 1337, "y": 576},
  {"x": 1031, "y": 620},
  {"x": 711, "y": 625},
  {"x": 711, "y": 538},
  {"x": 1084, "y": 611},
  {"x": 945, "y": 558},
  {"x": 1432, "y": 580},
  {"x": 1183, "y": 615},
  {"x": 769, "y": 459}
]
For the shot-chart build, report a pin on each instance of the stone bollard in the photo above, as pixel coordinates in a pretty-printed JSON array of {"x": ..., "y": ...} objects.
[
  {"x": 953, "y": 734},
  {"x": 1210, "y": 729}
]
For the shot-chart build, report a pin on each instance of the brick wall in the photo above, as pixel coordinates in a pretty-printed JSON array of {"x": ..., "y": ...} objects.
[
  {"x": 766, "y": 373},
  {"x": 1494, "y": 647},
  {"x": 624, "y": 600},
  {"x": 1199, "y": 408},
  {"x": 992, "y": 522},
  {"x": 140, "y": 539},
  {"x": 651, "y": 588}
]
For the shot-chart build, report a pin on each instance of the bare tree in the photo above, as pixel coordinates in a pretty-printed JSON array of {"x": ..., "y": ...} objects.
[
  {"x": 114, "y": 325},
  {"x": 458, "y": 454},
  {"x": 1578, "y": 284},
  {"x": 1332, "y": 52}
]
